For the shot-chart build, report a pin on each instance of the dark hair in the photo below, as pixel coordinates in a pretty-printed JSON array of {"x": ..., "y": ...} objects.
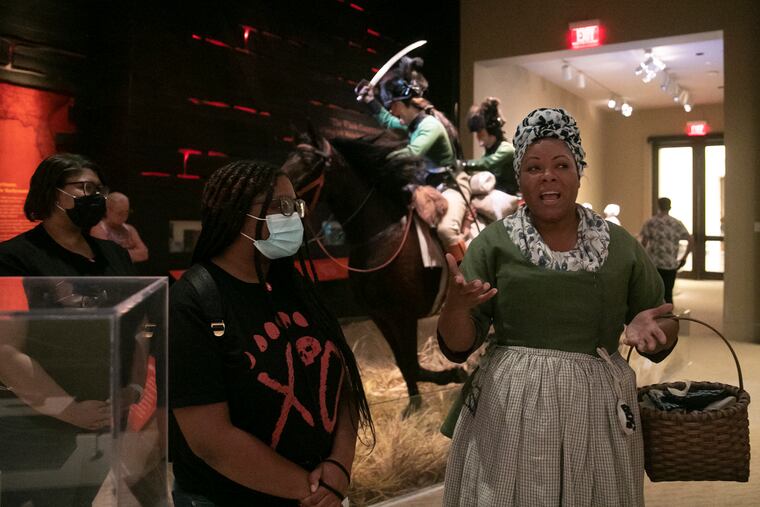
[
  {"x": 227, "y": 197},
  {"x": 47, "y": 177},
  {"x": 663, "y": 203},
  {"x": 486, "y": 116}
]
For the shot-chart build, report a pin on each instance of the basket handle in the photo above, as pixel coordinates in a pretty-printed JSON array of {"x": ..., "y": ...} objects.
[{"x": 736, "y": 359}]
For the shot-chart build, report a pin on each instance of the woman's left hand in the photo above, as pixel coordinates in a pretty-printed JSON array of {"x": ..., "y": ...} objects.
[
  {"x": 645, "y": 333},
  {"x": 321, "y": 496}
]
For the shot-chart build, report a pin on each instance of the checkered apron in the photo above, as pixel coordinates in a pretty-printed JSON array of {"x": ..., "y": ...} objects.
[{"x": 546, "y": 432}]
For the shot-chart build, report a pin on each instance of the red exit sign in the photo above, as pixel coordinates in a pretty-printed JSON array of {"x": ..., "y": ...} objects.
[
  {"x": 586, "y": 34},
  {"x": 697, "y": 128}
]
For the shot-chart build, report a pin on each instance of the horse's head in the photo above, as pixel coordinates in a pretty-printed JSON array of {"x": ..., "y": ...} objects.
[{"x": 307, "y": 166}]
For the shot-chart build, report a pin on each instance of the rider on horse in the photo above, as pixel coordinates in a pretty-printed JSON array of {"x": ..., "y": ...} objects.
[
  {"x": 431, "y": 136},
  {"x": 486, "y": 122}
]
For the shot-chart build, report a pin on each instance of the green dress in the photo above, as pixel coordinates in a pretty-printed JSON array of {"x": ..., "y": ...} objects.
[{"x": 540, "y": 423}]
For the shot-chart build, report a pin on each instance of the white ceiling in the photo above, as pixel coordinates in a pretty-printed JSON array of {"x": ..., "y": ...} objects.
[{"x": 695, "y": 61}]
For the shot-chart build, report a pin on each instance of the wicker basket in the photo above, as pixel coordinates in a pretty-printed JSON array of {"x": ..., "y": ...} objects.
[{"x": 701, "y": 445}]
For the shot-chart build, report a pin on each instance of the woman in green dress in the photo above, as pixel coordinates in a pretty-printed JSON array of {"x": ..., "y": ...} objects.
[{"x": 551, "y": 417}]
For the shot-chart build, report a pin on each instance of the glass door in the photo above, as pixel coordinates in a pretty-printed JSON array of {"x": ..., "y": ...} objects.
[{"x": 691, "y": 173}]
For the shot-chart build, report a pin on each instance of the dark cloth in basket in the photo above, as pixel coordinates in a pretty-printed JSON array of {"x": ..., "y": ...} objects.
[{"x": 693, "y": 400}]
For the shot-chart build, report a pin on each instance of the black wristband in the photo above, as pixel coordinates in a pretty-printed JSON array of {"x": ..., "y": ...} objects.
[
  {"x": 332, "y": 490},
  {"x": 339, "y": 465}
]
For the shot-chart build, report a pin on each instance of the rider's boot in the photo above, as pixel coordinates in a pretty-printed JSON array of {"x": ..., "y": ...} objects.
[{"x": 457, "y": 250}]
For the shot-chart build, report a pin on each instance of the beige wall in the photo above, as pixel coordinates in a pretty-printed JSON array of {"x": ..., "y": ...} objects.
[
  {"x": 493, "y": 29},
  {"x": 521, "y": 92},
  {"x": 627, "y": 157}
]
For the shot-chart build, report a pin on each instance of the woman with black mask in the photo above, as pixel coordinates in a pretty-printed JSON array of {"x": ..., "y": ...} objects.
[
  {"x": 67, "y": 194},
  {"x": 39, "y": 363}
]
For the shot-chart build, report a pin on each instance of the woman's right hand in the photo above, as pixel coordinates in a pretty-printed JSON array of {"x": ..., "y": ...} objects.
[
  {"x": 465, "y": 295},
  {"x": 89, "y": 414},
  {"x": 321, "y": 496}
]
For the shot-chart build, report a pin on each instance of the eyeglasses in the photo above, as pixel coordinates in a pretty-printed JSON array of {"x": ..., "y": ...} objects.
[
  {"x": 287, "y": 206},
  {"x": 88, "y": 187}
]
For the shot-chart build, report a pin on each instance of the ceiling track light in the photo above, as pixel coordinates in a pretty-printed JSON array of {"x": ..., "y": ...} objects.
[
  {"x": 614, "y": 102},
  {"x": 649, "y": 68},
  {"x": 665, "y": 82},
  {"x": 567, "y": 72}
]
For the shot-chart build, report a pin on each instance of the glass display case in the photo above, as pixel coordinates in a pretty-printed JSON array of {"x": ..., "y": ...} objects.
[{"x": 82, "y": 391}]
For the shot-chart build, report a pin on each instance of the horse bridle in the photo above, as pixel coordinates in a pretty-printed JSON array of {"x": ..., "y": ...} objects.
[{"x": 325, "y": 159}]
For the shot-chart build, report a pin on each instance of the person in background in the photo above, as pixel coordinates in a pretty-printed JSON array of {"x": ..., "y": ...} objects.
[
  {"x": 661, "y": 236},
  {"x": 268, "y": 413},
  {"x": 611, "y": 212},
  {"x": 550, "y": 417},
  {"x": 485, "y": 122},
  {"x": 67, "y": 194},
  {"x": 114, "y": 227},
  {"x": 68, "y": 197}
]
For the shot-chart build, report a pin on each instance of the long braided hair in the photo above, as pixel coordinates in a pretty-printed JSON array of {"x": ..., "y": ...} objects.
[{"x": 227, "y": 197}]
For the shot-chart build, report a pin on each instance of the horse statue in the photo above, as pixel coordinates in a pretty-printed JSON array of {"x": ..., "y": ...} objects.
[{"x": 364, "y": 191}]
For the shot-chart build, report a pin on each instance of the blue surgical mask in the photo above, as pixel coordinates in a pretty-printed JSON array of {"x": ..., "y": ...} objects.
[{"x": 285, "y": 236}]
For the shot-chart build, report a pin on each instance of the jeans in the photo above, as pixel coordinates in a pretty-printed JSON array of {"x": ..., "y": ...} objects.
[{"x": 669, "y": 279}]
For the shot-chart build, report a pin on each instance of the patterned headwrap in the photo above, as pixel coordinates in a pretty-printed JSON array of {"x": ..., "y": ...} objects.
[{"x": 548, "y": 122}]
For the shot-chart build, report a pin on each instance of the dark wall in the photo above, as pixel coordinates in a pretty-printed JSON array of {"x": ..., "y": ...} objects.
[{"x": 168, "y": 89}]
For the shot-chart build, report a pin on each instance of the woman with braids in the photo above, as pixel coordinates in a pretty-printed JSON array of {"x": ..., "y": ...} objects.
[
  {"x": 431, "y": 136},
  {"x": 486, "y": 123},
  {"x": 268, "y": 413}
]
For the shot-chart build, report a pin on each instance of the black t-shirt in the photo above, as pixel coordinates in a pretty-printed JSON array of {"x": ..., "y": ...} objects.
[
  {"x": 274, "y": 368},
  {"x": 35, "y": 253}
]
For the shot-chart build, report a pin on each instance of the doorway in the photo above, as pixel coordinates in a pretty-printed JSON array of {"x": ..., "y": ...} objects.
[{"x": 691, "y": 172}]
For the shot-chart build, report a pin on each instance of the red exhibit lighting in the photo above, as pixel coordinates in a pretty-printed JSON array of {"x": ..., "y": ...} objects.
[
  {"x": 245, "y": 109},
  {"x": 697, "y": 128},
  {"x": 586, "y": 34}
]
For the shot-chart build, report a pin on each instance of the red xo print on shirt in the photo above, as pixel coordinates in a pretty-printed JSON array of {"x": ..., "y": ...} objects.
[{"x": 308, "y": 349}]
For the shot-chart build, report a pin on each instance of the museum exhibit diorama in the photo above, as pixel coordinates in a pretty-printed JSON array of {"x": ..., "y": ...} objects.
[{"x": 161, "y": 95}]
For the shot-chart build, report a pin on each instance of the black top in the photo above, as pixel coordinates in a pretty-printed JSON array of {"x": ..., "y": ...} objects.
[
  {"x": 75, "y": 353},
  {"x": 274, "y": 368},
  {"x": 35, "y": 253}
]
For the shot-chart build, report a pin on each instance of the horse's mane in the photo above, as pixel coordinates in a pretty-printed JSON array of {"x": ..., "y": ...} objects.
[{"x": 368, "y": 156}]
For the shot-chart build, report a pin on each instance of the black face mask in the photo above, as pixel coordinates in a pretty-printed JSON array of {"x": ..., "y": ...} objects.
[{"x": 88, "y": 210}]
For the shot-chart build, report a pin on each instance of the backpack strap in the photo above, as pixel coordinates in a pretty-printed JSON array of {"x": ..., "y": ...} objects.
[{"x": 209, "y": 297}]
